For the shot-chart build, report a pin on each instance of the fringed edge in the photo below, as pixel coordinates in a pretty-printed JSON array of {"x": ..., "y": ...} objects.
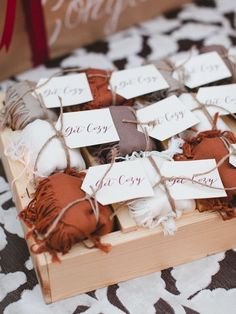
[
  {"x": 191, "y": 143},
  {"x": 105, "y": 247},
  {"x": 222, "y": 206},
  {"x": 149, "y": 221},
  {"x": 36, "y": 208},
  {"x": 42, "y": 248}
]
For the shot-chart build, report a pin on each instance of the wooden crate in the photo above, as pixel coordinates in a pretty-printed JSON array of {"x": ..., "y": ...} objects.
[{"x": 135, "y": 252}]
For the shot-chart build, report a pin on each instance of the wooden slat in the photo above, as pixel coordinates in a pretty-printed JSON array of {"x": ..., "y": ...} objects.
[
  {"x": 126, "y": 222},
  {"x": 21, "y": 199}
]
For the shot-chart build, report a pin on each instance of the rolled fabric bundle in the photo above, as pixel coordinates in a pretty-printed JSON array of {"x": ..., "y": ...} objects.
[
  {"x": 102, "y": 96},
  {"x": 21, "y": 107},
  {"x": 130, "y": 138},
  {"x": 175, "y": 86},
  {"x": 212, "y": 145},
  {"x": 156, "y": 210},
  {"x": 223, "y": 52},
  {"x": 204, "y": 124},
  {"x": 60, "y": 216},
  {"x": 153, "y": 211},
  {"x": 26, "y": 145}
]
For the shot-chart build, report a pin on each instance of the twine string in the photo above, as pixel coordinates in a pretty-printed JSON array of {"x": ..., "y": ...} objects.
[
  {"x": 220, "y": 163},
  {"x": 179, "y": 69},
  {"x": 203, "y": 107},
  {"x": 162, "y": 181},
  {"x": 95, "y": 191},
  {"x": 7, "y": 111},
  {"x": 58, "y": 134},
  {"x": 92, "y": 199},
  {"x": 141, "y": 124}
]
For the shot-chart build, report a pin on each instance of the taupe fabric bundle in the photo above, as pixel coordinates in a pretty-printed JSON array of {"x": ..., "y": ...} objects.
[
  {"x": 175, "y": 86},
  {"x": 130, "y": 138},
  {"x": 21, "y": 107},
  {"x": 223, "y": 52}
]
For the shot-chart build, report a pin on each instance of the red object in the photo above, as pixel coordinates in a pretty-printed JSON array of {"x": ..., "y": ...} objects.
[
  {"x": 35, "y": 27},
  {"x": 8, "y": 24}
]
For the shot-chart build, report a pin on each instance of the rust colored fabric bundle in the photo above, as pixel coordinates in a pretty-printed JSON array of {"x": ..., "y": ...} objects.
[
  {"x": 102, "y": 96},
  {"x": 76, "y": 224},
  {"x": 223, "y": 52},
  {"x": 131, "y": 140},
  {"x": 211, "y": 145}
]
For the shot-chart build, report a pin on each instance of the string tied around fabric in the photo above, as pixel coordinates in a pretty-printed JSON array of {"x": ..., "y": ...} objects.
[
  {"x": 92, "y": 199},
  {"x": 142, "y": 126},
  {"x": 58, "y": 134},
  {"x": 178, "y": 68},
  {"x": 203, "y": 107},
  {"x": 220, "y": 163},
  {"x": 162, "y": 181},
  {"x": 7, "y": 111}
]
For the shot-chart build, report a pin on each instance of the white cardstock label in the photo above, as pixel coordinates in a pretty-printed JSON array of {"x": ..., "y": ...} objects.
[
  {"x": 139, "y": 81},
  {"x": 180, "y": 188},
  {"x": 223, "y": 96},
  {"x": 171, "y": 116},
  {"x": 74, "y": 89},
  {"x": 202, "y": 69},
  {"x": 232, "y": 158},
  {"x": 89, "y": 127},
  {"x": 126, "y": 180}
]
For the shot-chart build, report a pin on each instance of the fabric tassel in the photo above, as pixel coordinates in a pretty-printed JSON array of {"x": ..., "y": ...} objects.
[
  {"x": 77, "y": 223},
  {"x": 26, "y": 145}
]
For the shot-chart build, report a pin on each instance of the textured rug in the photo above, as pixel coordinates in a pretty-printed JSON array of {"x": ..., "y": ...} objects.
[{"x": 204, "y": 286}]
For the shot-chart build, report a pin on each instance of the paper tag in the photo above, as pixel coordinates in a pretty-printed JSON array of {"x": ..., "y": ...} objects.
[
  {"x": 170, "y": 115},
  {"x": 203, "y": 69},
  {"x": 223, "y": 96},
  {"x": 73, "y": 89},
  {"x": 126, "y": 180},
  {"x": 182, "y": 189},
  {"x": 139, "y": 81},
  {"x": 232, "y": 158},
  {"x": 89, "y": 127}
]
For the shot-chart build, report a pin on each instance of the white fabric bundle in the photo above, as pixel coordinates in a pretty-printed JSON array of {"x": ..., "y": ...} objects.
[
  {"x": 26, "y": 144},
  {"x": 153, "y": 211},
  {"x": 204, "y": 123}
]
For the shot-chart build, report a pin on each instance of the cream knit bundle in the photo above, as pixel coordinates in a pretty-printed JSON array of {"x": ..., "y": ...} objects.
[
  {"x": 152, "y": 211},
  {"x": 25, "y": 146}
]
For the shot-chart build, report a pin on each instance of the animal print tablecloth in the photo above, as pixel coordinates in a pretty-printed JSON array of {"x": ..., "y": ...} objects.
[{"x": 204, "y": 286}]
